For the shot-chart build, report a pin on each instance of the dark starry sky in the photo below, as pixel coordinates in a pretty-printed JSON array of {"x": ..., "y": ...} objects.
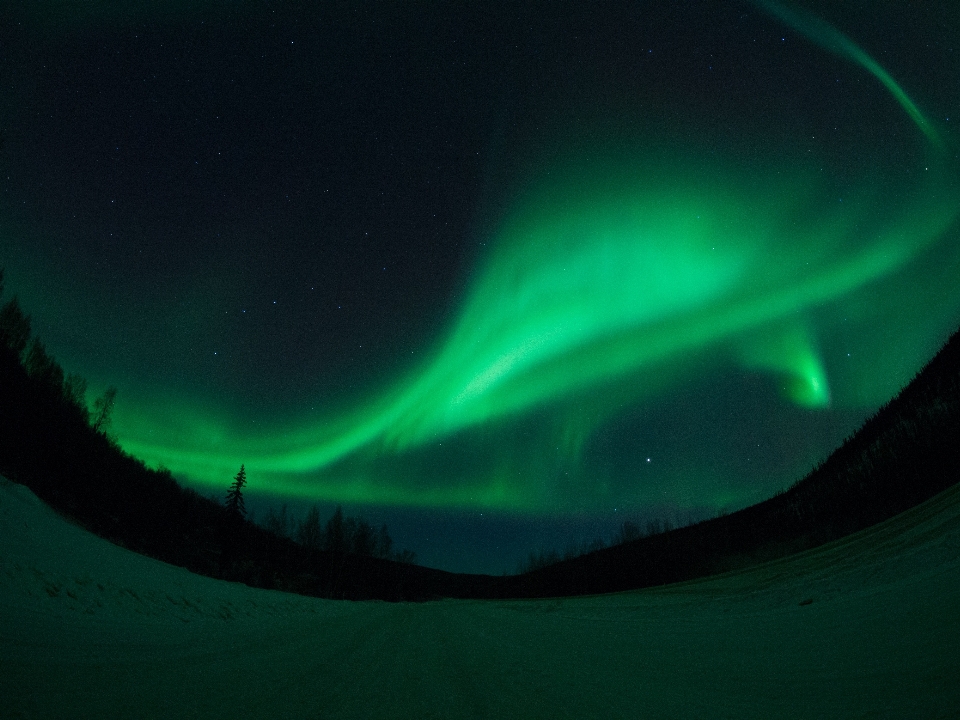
[{"x": 500, "y": 275}]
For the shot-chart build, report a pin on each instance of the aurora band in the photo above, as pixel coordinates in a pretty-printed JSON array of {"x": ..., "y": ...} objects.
[{"x": 602, "y": 279}]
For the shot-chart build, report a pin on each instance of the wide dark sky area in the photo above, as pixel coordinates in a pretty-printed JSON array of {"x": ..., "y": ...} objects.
[{"x": 499, "y": 274}]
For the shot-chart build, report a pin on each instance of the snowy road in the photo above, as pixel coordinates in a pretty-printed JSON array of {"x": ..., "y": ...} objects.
[{"x": 91, "y": 630}]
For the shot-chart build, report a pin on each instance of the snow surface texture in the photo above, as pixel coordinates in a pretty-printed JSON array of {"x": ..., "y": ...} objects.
[{"x": 866, "y": 627}]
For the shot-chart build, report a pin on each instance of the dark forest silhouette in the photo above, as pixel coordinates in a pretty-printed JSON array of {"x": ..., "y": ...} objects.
[{"x": 50, "y": 441}]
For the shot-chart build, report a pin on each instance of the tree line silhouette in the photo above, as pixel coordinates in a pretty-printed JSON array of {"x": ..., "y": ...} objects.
[
  {"x": 51, "y": 442},
  {"x": 906, "y": 453},
  {"x": 339, "y": 534},
  {"x": 626, "y": 532}
]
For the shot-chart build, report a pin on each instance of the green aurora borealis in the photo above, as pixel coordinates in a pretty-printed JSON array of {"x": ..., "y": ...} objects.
[
  {"x": 631, "y": 267},
  {"x": 592, "y": 300}
]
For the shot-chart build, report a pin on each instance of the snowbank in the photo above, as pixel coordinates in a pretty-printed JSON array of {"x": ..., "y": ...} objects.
[{"x": 867, "y": 627}]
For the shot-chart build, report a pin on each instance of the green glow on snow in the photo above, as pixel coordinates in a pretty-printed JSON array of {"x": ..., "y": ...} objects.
[{"x": 609, "y": 279}]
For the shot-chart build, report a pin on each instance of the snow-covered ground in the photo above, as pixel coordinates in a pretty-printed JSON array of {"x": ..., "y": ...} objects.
[{"x": 868, "y": 627}]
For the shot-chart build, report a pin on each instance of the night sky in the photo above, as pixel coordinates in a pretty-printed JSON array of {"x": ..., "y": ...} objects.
[{"x": 501, "y": 275}]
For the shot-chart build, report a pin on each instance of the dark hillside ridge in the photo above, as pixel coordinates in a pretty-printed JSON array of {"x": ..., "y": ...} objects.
[
  {"x": 47, "y": 444},
  {"x": 907, "y": 453}
]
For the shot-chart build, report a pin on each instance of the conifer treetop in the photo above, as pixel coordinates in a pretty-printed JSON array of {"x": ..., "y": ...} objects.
[{"x": 234, "y": 497}]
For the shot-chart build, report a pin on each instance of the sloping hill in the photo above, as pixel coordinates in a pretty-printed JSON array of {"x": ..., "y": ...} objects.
[
  {"x": 905, "y": 454},
  {"x": 863, "y": 627}
]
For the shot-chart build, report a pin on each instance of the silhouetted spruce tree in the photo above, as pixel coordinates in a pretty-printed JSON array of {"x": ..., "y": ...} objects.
[
  {"x": 43, "y": 368},
  {"x": 362, "y": 538},
  {"x": 384, "y": 543},
  {"x": 407, "y": 557},
  {"x": 235, "y": 504},
  {"x": 336, "y": 535},
  {"x": 309, "y": 533},
  {"x": 75, "y": 392},
  {"x": 278, "y": 523},
  {"x": 103, "y": 409},
  {"x": 627, "y": 532},
  {"x": 14, "y": 327}
]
